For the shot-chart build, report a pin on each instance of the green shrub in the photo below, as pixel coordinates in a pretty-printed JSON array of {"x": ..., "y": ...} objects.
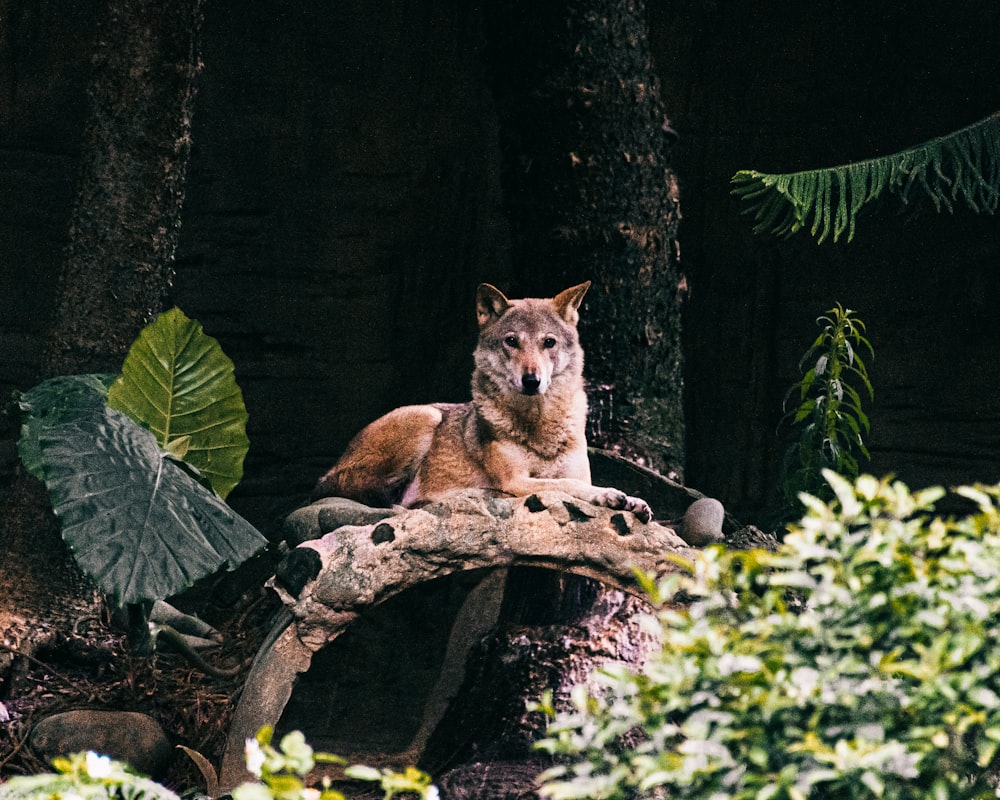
[
  {"x": 825, "y": 407},
  {"x": 281, "y": 772},
  {"x": 85, "y": 776},
  {"x": 859, "y": 660}
]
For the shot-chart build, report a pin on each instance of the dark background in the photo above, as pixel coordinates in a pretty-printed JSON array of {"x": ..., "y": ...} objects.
[{"x": 344, "y": 201}]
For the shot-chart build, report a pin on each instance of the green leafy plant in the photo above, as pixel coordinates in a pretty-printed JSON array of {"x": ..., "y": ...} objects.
[
  {"x": 139, "y": 493},
  {"x": 55, "y": 402},
  {"x": 826, "y": 407},
  {"x": 85, "y": 776},
  {"x": 177, "y": 383},
  {"x": 861, "y": 660},
  {"x": 282, "y": 772},
  {"x": 963, "y": 166}
]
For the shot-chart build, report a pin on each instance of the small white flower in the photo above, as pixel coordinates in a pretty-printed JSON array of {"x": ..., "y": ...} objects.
[
  {"x": 98, "y": 766},
  {"x": 310, "y": 794},
  {"x": 431, "y": 793},
  {"x": 252, "y": 791},
  {"x": 255, "y": 757},
  {"x": 730, "y": 663}
]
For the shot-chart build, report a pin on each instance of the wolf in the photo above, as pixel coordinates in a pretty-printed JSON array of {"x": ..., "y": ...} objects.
[{"x": 523, "y": 432}]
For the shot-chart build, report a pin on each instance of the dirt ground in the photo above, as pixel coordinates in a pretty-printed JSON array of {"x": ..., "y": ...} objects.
[{"x": 92, "y": 667}]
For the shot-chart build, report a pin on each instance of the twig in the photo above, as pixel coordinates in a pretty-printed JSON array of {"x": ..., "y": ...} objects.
[{"x": 40, "y": 663}]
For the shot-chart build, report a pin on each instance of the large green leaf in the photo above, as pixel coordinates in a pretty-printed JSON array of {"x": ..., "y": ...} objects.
[
  {"x": 54, "y": 402},
  {"x": 135, "y": 520},
  {"x": 961, "y": 166},
  {"x": 178, "y": 383}
]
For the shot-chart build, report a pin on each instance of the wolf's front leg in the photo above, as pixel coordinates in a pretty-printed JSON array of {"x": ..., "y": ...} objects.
[
  {"x": 508, "y": 470},
  {"x": 597, "y": 495}
]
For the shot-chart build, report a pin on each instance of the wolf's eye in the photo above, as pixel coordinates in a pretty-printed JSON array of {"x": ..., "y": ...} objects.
[
  {"x": 549, "y": 343},
  {"x": 511, "y": 341}
]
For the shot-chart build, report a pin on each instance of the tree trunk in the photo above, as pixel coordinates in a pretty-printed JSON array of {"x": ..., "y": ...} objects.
[
  {"x": 125, "y": 224},
  {"x": 590, "y": 194},
  {"x": 116, "y": 272}
]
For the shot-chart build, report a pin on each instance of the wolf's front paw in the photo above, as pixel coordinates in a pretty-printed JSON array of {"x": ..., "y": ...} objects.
[
  {"x": 639, "y": 507},
  {"x": 615, "y": 498}
]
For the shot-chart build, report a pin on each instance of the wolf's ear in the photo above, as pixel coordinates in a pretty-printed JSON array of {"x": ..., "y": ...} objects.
[
  {"x": 490, "y": 304},
  {"x": 568, "y": 301}
]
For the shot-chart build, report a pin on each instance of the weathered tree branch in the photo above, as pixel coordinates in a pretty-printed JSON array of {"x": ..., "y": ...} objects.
[{"x": 360, "y": 566}]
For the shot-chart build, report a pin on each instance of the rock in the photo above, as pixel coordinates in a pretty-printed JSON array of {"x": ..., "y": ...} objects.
[
  {"x": 702, "y": 522},
  {"x": 127, "y": 736},
  {"x": 327, "y": 514}
]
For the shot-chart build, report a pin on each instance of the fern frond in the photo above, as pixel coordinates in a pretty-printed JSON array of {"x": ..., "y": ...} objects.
[{"x": 961, "y": 167}]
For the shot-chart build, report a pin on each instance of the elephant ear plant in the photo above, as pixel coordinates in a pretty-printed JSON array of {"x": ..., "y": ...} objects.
[{"x": 137, "y": 466}]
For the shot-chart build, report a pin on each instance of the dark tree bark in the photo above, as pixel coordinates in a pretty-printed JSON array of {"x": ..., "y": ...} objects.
[
  {"x": 124, "y": 228},
  {"x": 590, "y": 193},
  {"x": 116, "y": 272}
]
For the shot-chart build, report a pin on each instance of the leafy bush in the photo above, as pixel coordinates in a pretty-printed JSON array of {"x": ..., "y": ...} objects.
[
  {"x": 828, "y": 409},
  {"x": 281, "y": 772},
  {"x": 137, "y": 473},
  {"x": 860, "y": 660},
  {"x": 85, "y": 776}
]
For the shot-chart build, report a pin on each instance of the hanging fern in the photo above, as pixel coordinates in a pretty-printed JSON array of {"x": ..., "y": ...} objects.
[{"x": 962, "y": 166}]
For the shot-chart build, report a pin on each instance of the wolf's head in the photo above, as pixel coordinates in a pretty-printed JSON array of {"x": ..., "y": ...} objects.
[{"x": 525, "y": 345}]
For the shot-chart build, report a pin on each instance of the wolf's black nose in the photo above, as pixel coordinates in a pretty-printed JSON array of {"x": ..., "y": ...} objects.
[{"x": 530, "y": 383}]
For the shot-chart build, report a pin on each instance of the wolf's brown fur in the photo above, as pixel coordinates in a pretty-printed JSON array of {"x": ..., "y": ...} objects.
[{"x": 523, "y": 432}]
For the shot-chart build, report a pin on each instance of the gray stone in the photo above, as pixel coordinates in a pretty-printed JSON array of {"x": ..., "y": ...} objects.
[
  {"x": 702, "y": 522},
  {"x": 327, "y": 514},
  {"x": 136, "y": 739}
]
